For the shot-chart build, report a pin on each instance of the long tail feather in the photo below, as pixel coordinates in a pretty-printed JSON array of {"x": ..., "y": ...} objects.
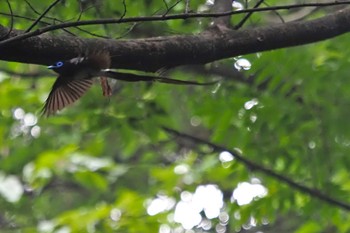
[{"x": 129, "y": 77}]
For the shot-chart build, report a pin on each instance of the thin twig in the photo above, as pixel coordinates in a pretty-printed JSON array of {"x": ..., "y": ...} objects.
[
  {"x": 42, "y": 15},
  {"x": 11, "y": 24},
  {"x": 168, "y": 9},
  {"x": 166, "y": 6},
  {"x": 127, "y": 31},
  {"x": 124, "y": 12},
  {"x": 46, "y": 23},
  {"x": 240, "y": 24},
  {"x": 32, "y": 8},
  {"x": 276, "y": 13},
  {"x": 81, "y": 12},
  {"x": 258, "y": 167}
]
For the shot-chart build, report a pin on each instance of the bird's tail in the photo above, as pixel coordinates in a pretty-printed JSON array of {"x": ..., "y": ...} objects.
[{"x": 129, "y": 77}]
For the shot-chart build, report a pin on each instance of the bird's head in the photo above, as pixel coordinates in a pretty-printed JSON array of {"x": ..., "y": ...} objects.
[{"x": 57, "y": 65}]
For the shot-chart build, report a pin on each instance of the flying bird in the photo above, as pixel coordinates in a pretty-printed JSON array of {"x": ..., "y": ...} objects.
[{"x": 75, "y": 77}]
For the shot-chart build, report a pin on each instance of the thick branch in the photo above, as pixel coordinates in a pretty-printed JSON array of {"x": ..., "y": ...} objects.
[{"x": 154, "y": 53}]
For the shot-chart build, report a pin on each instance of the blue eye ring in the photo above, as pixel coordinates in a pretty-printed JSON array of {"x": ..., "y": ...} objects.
[{"x": 59, "y": 64}]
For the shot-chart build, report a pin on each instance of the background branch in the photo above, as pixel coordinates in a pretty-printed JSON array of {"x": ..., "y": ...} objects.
[{"x": 257, "y": 167}]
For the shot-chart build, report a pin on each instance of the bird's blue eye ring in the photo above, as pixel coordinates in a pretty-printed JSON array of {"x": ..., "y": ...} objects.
[{"x": 59, "y": 64}]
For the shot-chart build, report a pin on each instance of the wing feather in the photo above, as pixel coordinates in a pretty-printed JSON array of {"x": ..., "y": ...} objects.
[{"x": 65, "y": 92}]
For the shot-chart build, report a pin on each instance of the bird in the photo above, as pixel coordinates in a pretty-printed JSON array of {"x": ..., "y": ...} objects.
[{"x": 75, "y": 77}]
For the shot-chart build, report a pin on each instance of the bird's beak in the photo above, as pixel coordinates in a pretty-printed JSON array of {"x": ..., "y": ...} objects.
[{"x": 51, "y": 67}]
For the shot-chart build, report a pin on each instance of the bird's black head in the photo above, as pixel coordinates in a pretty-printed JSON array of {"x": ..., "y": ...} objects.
[{"x": 56, "y": 66}]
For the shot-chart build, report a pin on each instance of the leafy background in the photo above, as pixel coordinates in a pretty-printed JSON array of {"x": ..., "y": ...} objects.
[{"x": 98, "y": 165}]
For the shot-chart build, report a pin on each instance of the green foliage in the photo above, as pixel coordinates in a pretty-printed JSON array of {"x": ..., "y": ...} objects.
[{"x": 97, "y": 165}]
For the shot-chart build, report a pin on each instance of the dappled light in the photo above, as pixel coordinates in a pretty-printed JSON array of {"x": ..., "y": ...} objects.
[
  {"x": 11, "y": 188},
  {"x": 160, "y": 204},
  {"x": 237, "y": 5},
  {"x": 27, "y": 124},
  {"x": 251, "y": 103},
  {"x": 206, "y": 198},
  {"x": 242, "y": 64},
  {"x": 246, "y": 192},
  {"x": 226, "y": 156},
  {"x": 174, "y": 116}
]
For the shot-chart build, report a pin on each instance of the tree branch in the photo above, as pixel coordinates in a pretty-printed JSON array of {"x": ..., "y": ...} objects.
[
  {"x": 154, "y": 53},
  {"x": 258, "y": 167},
  {"x": 159, "y": 18}
]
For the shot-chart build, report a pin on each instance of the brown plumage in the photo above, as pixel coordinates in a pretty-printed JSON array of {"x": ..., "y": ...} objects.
[{"x": 75, "y": 78}]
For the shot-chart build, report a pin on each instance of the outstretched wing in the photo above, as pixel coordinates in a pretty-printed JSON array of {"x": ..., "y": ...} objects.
[{"x": 65, "y": 92}]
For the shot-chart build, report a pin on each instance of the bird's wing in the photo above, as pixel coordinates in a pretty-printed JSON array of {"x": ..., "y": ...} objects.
[{"x": 64, "y": 93}]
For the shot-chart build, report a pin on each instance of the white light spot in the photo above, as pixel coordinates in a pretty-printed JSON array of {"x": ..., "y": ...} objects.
[
  {"x": 164, "y": 228},
  {"x": 210, "y": 2},
  {"x": 3, "y": 76},
  {"x": 255, "y": 181},
  {"x": 115, "y": 214},
  {"x": 253, "y": 118},
  {"x": 187, "y": 215},
  {"x": 207, "y": 198},
  {"x": 18, "y": 114},
  {"x": 11, "y": 188},
  {"x": 64, "y": 229},
  {"x": 205, "y": 224},
  {"x": 28, "y": 171},
  {"x": 211, "y": 199},
  {"x": 246, "y": 192},
  {"x": 224, "y": 217},
  {"x": 225, "y": 157},
  {"x": 252, "y": 222},
  {"x": 196, "y": 121},
  {"x": 181, "y": 169},
  {"x": 160, "y": 204},
  {"x": 46, "y": 226},
  {"x": 242, "y": 64},
  {"x": 30, "y": 119},
  {"x": 188, "y": 179},
  {"x": 237, "y": 5},
  {"x": 312, "y": 145},
  {"x": 35, "y": 131},
  {"x": 220, "y": 228},
  {"x": 89, "y": 162},
  {"x": 251, "y": 103},
  {"x": 186, "y": 196}
]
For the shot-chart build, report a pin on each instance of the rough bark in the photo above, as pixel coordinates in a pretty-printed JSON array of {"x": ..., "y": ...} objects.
[{"x": 154, "y": 53}]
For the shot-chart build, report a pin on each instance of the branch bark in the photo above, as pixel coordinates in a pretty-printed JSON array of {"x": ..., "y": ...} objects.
[{"x": 152, "y": 54}]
